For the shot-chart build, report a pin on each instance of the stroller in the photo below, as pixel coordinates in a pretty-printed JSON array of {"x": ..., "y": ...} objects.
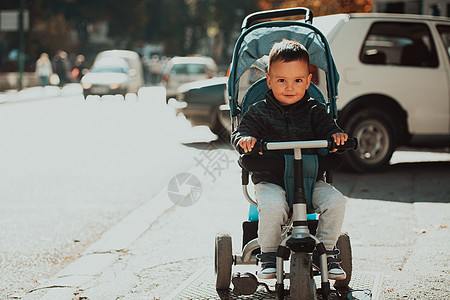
[{"x": 248, "y": 69}]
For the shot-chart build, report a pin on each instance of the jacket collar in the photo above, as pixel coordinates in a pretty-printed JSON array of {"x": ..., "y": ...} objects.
[{"x": 271, "y": 100}]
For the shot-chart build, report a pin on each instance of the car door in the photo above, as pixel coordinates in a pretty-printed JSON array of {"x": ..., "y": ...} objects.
[
  {"x": 412, "y": 72},
  {"x": 443, "y": 31}
]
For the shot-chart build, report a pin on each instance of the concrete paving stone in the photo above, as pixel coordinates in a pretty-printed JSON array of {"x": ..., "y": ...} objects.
[
  {"x": 387, "y": 237},
  {"x": 88, "y": 265}
]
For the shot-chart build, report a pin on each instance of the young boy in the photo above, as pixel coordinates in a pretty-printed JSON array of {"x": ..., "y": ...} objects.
[{"x": 286, "y": 114}]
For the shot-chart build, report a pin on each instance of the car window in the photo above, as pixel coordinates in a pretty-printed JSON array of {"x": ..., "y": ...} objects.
[
  {"x": 444, "y": 32},
  {"x": 188, "y": 69},
  {"x": 399, "y": 43},
  {"x": 112, "y": 69}
]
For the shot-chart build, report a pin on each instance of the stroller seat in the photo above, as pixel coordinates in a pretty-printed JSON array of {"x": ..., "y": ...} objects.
[
  {"x": 311, "y": 163},
  {"x": 259, "y": 33}
]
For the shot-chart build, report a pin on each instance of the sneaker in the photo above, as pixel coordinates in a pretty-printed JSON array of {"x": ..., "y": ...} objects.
[
  {"x": 268, "y": 265},
  {"x": 335, "y": 271}
]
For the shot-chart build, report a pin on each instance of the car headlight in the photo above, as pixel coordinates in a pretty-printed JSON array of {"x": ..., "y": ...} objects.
[
  {"x": 181, "y": 96},
  {"x": 86, "y": 85},
  {"x": 114, "y": 86}
]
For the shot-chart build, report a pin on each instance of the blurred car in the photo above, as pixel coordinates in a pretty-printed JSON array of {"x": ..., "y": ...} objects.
[
  {"x": 205, "y": 102},
  {"x": 108, "y": 76},
  {"x": 201, "y": 101},
  {"x": 181, "y": 70},
  {"x": 136, "y": 80}
]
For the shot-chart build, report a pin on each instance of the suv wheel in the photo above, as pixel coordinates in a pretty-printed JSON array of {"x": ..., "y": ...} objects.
[{"x": 375, "y": 141}]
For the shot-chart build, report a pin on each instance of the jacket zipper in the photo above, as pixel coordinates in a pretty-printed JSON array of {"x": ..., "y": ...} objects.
[{"x": 287, "y": 126}]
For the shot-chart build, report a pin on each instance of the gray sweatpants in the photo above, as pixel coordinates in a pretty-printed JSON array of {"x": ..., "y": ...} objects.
[{"x": 273, "y": 214}]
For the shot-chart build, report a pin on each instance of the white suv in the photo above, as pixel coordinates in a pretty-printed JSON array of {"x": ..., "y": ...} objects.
[{"x": 394, "y": 84}]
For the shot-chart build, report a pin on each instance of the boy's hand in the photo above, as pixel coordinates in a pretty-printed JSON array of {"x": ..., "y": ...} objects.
[
  {"x": 247, "y": 143},
  {"x": 339, "y": 139}
]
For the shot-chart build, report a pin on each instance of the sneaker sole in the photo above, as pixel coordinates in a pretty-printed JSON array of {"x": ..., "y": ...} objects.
[
  {"x": 267, "y": 276},
  {"x": 337, "y": 277},
  {"x": 331, "y": 276}
]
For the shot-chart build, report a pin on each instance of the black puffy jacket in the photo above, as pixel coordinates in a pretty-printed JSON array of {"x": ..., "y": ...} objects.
[{"x": 268, "y": 120}]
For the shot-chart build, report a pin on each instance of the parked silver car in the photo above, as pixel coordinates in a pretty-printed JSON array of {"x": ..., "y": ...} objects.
[
  {"x": 136, "y": 73},
  {"x": 181, "y": 70},
  {"x": 108, "y": 76}
]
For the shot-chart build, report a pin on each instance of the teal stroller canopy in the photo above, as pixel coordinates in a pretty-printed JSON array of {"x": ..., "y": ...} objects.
[{"x": 257, "y": 41}]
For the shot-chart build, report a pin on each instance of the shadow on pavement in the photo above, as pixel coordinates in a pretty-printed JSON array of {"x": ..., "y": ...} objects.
[
  {"x": 403, "y": 182},
  {"x": 212, "y": 145},
  {"x": 407, "y": 182}
]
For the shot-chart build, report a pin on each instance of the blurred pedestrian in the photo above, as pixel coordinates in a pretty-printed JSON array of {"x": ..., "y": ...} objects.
[
  {"x": 164, "y": 60},
  {"x": 80, "y": 68},
  {"x": 62, "y": 67},
  {"x": 44, "y": 69},
  {"x": 155, "y": 66}
]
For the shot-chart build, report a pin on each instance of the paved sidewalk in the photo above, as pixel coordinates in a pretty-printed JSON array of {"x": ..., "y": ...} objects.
[
  {"x": 159, "y": 246},
  {"x": 104, "y": 253}
]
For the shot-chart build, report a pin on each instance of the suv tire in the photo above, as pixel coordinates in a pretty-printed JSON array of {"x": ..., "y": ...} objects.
[{"x": 376, "y": 142}]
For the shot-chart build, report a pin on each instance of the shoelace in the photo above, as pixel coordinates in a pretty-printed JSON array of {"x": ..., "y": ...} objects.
[
  {"x": 332, "y": 256},
  {"x": 267, "y": 259}
]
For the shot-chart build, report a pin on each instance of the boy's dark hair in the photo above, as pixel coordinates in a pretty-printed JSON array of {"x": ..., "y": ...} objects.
[{"x": 287, "y": 51}]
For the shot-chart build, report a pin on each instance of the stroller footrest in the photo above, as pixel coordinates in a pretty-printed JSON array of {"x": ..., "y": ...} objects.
[{"x": 283, "y": 252}]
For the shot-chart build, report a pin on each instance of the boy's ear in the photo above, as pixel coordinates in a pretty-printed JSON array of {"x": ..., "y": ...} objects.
[
  {"x": 269, "y": 85},
  {"x": 308, "y": 80}
]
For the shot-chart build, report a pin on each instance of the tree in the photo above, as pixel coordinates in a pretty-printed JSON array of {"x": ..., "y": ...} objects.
[
  {"x": 321, "y": 7},
  {"x": 126, "y": 18},
  {"x": 167, "y": 21},
  {"x": 186, "y": 26},
  {"x": 229, "y": 15}
]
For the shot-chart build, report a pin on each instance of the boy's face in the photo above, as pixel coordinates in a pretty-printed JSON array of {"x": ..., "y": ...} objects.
[{"x": 288, "y": 80}]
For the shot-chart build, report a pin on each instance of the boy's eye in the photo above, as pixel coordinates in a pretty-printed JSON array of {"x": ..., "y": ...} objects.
[
  {"x": 298, "y": 80},
  {"x": 280, "y": 80}
]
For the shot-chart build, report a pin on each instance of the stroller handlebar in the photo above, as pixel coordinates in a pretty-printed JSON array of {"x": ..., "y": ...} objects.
[
  {"x": 277, "y": 13},
  {"x": 351, "y": 143},
  {"x": 262, "y": 146}
]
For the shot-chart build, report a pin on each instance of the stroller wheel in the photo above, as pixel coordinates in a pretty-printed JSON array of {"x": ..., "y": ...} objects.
[
  {"x": 345, "y": 248},
  {"x": 302, "y": 284},
  {"x": 223, "y": 261}
]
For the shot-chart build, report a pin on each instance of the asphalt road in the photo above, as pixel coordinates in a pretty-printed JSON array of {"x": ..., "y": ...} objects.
[
  {"x": 88, "y": 213},
  {"x": 404, "y": 242},
  {"x": 70, "y": 169}
]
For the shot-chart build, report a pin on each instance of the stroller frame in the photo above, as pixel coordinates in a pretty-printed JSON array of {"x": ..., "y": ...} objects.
[{"x": 297, "y": 242}]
